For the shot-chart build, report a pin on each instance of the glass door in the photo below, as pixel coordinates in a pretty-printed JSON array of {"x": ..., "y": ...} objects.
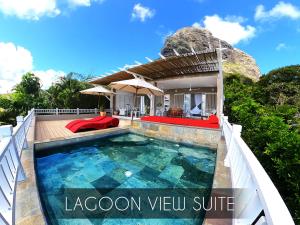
[{"x": 187, "y": 103}]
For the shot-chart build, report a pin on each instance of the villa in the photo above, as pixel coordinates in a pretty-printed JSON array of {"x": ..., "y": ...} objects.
[
  {"x": 40, "y": 155},
  {"x": 191, "y": 82}
]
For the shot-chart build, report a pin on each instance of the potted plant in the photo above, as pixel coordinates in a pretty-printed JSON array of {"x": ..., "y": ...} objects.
[{"x": 102, "y": 112}]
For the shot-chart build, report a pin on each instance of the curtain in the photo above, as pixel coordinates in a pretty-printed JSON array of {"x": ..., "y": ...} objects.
[
  {"x": 178, "y": 100},
  {"x": 142, "y": 105},
  {"x": 198, "y": 101}
]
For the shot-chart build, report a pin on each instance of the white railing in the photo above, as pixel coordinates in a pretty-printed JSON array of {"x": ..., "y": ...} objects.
[
  {"x": 260, "y": 202},
  {"x": 68, "y": 111},
  {"x": 12, "y": 141},
  {"x": 65, "y": 111}
]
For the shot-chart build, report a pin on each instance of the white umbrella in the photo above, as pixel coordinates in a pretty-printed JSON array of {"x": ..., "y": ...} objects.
[
  {"x": 98, "y": 90},
  {"x": 137, "y": 86}
]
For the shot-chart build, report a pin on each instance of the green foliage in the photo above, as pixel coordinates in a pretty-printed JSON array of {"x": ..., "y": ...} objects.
[
  {"x": 268, "y": 111},
  {"x": 66, "y": 94},
  {"x": 63, "y": 94},
  {"x": 30, "y": 85}
]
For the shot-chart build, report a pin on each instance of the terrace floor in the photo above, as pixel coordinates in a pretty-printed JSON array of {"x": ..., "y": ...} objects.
[{"x": 47, "y": 130}]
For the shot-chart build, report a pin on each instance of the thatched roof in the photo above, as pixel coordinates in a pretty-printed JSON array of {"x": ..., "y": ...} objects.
[{"x": 170, "y": 67}]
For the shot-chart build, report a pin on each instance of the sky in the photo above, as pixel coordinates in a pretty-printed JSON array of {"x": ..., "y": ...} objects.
[{"x": 94, "y": 37}]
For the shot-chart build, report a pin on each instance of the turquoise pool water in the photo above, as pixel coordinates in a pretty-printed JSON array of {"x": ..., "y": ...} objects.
[{"x": 125, "y": 161}]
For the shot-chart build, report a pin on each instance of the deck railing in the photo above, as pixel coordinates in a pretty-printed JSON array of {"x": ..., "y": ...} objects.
[
  {"x": 65, "y": 111},
  {"x": 12, "y": 141},
  {"x": 261, "y": 202}
]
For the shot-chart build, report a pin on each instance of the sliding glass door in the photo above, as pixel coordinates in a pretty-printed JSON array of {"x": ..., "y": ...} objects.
[{"x": 179, "y": 100}]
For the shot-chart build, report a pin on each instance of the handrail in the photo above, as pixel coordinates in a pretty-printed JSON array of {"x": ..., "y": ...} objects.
[
  {"x": 247, "y": 173},
  {"x": 67, "y": 111},
  {"x": 12, "y": 141}
]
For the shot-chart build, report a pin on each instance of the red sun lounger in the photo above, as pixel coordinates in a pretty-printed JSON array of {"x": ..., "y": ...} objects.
[
  {"x": 95, "y": 125},
  {"x": 211, "y": 122},
  {"x": 73, "y": 122}
]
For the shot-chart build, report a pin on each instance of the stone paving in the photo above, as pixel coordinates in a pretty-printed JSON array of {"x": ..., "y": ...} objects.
[{"x": 28, "y": 208}]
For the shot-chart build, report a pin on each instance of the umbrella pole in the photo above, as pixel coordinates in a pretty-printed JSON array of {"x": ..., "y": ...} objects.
[
  {"x": 99, "y": 101},
  {"x": 134, "y": 104}
]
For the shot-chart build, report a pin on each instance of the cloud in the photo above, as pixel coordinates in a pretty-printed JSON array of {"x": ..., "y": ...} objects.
[
  {"x": 141, "y": 12},
  {"x": 15, "y": 61},
  {"x": 280, "y": 10},
  {"x": 85, "y": 3},
  {"x": 29, "y": 9},
  {"x": 281, "y": 46},
  {"x": 35, "y": 9},
  {"x": 48, "y": 77},
  {"x": 228, "y": 29}
]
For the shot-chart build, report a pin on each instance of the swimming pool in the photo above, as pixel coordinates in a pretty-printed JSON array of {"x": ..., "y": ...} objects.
[{"x": 123, "y": 161}]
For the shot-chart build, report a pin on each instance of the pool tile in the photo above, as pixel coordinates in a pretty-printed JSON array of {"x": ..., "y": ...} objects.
[
  {"x": 102, "y": 164},
  {"x": 105, "y": 182},
  {"x": 172, "y": 173},
  {"x": 119, "y": 175}
]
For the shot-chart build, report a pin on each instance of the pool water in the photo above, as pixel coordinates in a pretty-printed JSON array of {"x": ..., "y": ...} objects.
[{"x": 124, "y": 161}]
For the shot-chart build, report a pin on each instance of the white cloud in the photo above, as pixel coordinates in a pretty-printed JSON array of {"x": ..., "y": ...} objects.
[
  {"x": 35, "y": 9},
  {"x": 280, "y": 10},
  {"x": 141, "y": 12},
  {"x": 15, "y": 61},
  {"x": 281, "y": 46},
  {"x": 228, "y": 29},
  {"x": 29, "y": 9},
  {"x": 86, "y": 3},
  {"x": 48, "y": 77}
]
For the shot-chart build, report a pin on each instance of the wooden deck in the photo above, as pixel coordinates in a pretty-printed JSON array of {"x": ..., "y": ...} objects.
[{"x": 55, "y": 129}]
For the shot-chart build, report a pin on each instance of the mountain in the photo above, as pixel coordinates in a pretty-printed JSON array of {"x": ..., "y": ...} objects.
[{"x": 200, "y": 39}]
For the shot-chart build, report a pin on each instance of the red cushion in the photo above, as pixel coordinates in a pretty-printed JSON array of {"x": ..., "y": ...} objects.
[
  {"x": 102, "y": 124},
  {"x": 73, "y": 122},
  {"x": 182, "y": 121},
  {"x": 213, "y": 119}
]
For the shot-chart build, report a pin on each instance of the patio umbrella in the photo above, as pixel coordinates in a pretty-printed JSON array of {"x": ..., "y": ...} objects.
[
  {"x": 98, "y": 90},
  {"x": 136, "y": 86}
]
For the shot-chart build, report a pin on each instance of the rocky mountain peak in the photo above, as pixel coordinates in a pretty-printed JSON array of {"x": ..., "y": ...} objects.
[{"x": 200, "y": 39}]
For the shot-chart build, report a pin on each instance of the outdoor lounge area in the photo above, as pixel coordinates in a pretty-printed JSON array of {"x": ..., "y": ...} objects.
[{"x": 191, "y": 84}]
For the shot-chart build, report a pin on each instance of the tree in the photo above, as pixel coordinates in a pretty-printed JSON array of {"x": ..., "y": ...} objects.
[
  {"x": 267, "y": 128},
  {"x": 29, "y": 85},
  {"x": 66, "y": 93}
]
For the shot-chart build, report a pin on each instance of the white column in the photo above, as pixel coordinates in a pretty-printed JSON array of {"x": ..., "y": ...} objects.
[
  {"x": 152, "y": 105},
  {"x": 20, "y": 120},
  {"x": 203, "y": 105},
  {"x": 220, "y": 94},
  {"x": 142, "y": 105}
]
